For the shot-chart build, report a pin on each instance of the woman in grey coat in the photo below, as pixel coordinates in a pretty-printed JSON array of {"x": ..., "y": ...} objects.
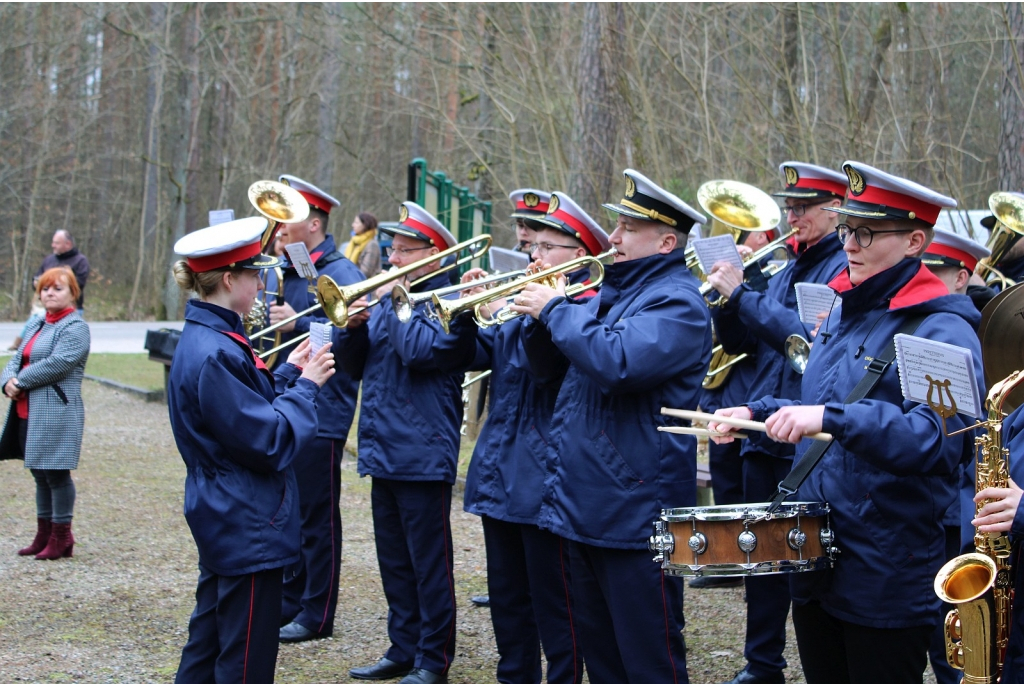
[{"x": 46, "y": 417}]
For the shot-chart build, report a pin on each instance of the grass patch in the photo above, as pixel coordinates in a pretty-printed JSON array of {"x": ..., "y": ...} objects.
[{"x": 131, "y": 369}]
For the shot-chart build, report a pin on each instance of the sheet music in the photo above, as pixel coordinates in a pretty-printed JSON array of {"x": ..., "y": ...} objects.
[
  {"x": 814, "y": 298},
  {"x": 319, "y": 335},
  {"x": 719, "y": 248},
  {"x": 504, "y": 260},
  {"x": 300, "y": 259},
  {"x": 919, "y": 357},
  {"x": 221, "y": 216}
]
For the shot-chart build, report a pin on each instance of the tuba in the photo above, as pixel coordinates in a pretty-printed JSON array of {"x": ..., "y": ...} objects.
[
  {"x": 735, "y": 208},
  {"x": 978, "y": 584},
  {"x": 1008, "y": 210},
  {"x": 279, "y": 204}
]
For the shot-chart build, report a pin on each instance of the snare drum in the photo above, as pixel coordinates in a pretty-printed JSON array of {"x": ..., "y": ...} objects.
[{"x": 740, "y": 540}]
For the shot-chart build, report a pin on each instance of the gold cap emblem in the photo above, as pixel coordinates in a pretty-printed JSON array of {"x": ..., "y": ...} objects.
[
  {"x": 553, "y": 204},
  {"x": 856, "y": 180},
  {"x": 630, "y": 187},
  {"x": 531, "y": 200},
  {"x": 791, "y": 176},
  {"x": 403, "y": 214}
]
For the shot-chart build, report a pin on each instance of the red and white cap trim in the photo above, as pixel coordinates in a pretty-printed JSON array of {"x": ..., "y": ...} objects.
[{"x": 313, "y": 195}]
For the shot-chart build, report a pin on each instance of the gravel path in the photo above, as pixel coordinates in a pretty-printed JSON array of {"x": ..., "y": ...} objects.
[{"x": 118, "y": 611}]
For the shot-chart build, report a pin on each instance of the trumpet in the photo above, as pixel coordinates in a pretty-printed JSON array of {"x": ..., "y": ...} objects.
[
  {"x": 448, "y": 310},
  {"x": 405, "y": 302}
]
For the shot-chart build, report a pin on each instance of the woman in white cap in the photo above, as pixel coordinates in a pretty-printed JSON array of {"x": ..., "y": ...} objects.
[{"x": 238, "y": 438}]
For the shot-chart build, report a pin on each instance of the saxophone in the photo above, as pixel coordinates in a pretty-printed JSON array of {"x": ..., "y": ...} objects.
[{"x": 978, "y": 584}]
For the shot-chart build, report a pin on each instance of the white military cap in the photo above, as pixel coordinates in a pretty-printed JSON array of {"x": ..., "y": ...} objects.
[
  {"x": 951, "y": 249},
  {"x": 566, "y": 216},
  {"x": 234, "y": 244},
  {"x": 529, "y": 203},
  {"x": 874, "y": 194},
  {"x": 811, "y": 182},
  {"x": 417, "y": 223},
  {"x": 646, "y": 200},
  {"x": 314, "y": 196}
]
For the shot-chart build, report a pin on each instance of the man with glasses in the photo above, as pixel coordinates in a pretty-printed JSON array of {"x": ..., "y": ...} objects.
[
  {"x": 759, "y": 323},
  {"x": 527, "y": 568},
  {"x": 642, "y": 343},
  {"x": 409, "y": 422},
  {"x": 309, "y": 597},
  {"x": 892, "y": 470}
]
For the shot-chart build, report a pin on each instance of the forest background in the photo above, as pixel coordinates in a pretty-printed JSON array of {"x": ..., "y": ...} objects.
[{"x": 126, "y": 123}]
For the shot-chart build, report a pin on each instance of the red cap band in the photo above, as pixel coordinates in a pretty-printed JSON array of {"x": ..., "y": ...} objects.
[
  {"x": 540, "y": 207},
  {"x": 216, "y": 261},
  {"x": 821, "y": 184},
  {"x": 316, "y": 201},
  {"x": 969, "y": 260},
  {"x": 437, "y": 239},
  {"x": 925, "y": 211},
  {"x": 582, "y": 231}
]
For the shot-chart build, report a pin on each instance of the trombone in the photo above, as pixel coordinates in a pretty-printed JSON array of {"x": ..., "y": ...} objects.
[
  {"x": 335, "y": 299},
  {"x": 405, "y": 302},
  {"x": 448, "y": 310}
]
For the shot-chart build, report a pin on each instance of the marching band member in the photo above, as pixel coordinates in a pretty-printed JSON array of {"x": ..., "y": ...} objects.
[
  {"x": 527, "y": 574},
  {"x": 310, "y": 595},
  {"x": 643, "y": 342},
  {"x": 530, "y": 205},
  {"x": 409, "y": 444},
  {"x": 760, "y": 322},
  {"x": 238, "y": 442},
  {"x": 891, "y": 471}
]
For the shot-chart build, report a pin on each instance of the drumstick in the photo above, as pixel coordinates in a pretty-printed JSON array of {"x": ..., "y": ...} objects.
[
  {"x": 731, "y": 421},
  {"x": 686, "y": 430}
]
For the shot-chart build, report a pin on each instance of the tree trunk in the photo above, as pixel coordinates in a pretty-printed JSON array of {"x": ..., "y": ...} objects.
[{"x": 1011, "y": 102}]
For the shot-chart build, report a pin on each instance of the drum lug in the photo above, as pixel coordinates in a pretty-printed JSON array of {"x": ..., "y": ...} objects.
[
  {"x": 662, "y": 542},
  {"x": 827, "y": 537},
  {"x": 796, "y": 539},
  {"x": 747, "y": 541},
  {"x": 698, "y": 542}
]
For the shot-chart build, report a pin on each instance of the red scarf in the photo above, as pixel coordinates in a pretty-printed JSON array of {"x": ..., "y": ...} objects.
[{"x": 22, "y": 401}]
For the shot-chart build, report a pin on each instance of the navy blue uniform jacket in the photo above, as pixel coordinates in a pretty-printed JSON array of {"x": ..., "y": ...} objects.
[
  {"x": 238, "y": 442},
  {"x": 1013, "y": 438},
  {"x": 505, "y": 480},
  {"x": 336, "y": 404},
  {"x": 641, "y": 344},
  {"x": 891, "y": 473},
  {"x": 412, "y": 392},
  {"x": 760, "y": 322}
]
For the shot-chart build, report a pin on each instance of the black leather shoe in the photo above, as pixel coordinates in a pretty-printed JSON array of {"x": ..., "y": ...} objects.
[
  {"x": 481, "y": 600},
  {"x": 745, "y": 676},
  {"x": 296, "y": 632},
  {"x": 708, "y": 582},
  {"x": 382, "y": 670},
  {"x": 422, "y": 675}
]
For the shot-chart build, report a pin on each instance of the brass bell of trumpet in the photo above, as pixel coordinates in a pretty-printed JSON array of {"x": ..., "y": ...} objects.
[
  {"x": 798, "y": 351},
  {"x": 1008, "y": 210}
]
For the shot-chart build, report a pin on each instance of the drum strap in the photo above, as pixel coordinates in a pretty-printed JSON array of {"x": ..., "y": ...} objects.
[{"x": 876, "y": 367}]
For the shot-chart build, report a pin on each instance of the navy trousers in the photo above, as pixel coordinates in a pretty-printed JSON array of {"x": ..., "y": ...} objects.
[
  {"x": 768, "y": 597},
  {"x": 233, "y": 632},
  {"x": 528, "y": 581},
  {"x": 629, "y": 614},
  {"x": 414, "y": 551},
  {"x": 310, "y": 594},
  {"x": 726, "y": 467}
]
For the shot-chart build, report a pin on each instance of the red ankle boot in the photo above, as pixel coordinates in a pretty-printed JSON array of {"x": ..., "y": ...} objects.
[
  {"x": 42, "y": 537},
  {"x": 61, "y": 542}
]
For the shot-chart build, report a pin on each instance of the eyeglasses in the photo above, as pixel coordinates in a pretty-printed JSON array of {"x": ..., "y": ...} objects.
[
  {"x": 862, "y": 234},
  {"x": 403, "y": 250},
  {"x": 548, "y": 247},
  {"x": 800, "y": 210}
]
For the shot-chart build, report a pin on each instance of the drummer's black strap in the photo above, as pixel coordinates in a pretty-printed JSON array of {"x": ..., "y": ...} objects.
[{"x": 876, "y": 367}]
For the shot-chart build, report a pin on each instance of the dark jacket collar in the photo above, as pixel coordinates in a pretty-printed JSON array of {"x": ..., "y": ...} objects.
[
  {"x": 820, "y": 250},
  {"x": 636, "y": 272},
  {"x": 436, "y": 280},
  {"x": 213, "y": 316},
  {"x": 67, "y": 255}
]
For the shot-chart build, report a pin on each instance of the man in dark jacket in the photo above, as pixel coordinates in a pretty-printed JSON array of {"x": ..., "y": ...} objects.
[
  {"x": 891, "y": 471},
  {"x": 65, "y": 254},
  {"x": 641, "y": 344},
  {"x": 409, "y": 444},
  {"x": 309, "y": 598},
  {"x": 760, "y": 322}
]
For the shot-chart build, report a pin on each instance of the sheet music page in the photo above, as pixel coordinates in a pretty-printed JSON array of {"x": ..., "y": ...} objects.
[
  {"x": 319, "y": 335},
  {"x": 917, "y": 358},
  {"x": 221, "y": 216},
  {"x": 719, "y": 248},
  {"x": 300, "y": 259},
  {"x": 814, "y": 298},
  {"x": 504, "y": 260}
]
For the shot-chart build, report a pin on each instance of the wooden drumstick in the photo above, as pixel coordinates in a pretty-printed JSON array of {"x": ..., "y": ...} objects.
[
  {"x": 731, "y": 421},
  {"x": 686, "y": 430}
]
